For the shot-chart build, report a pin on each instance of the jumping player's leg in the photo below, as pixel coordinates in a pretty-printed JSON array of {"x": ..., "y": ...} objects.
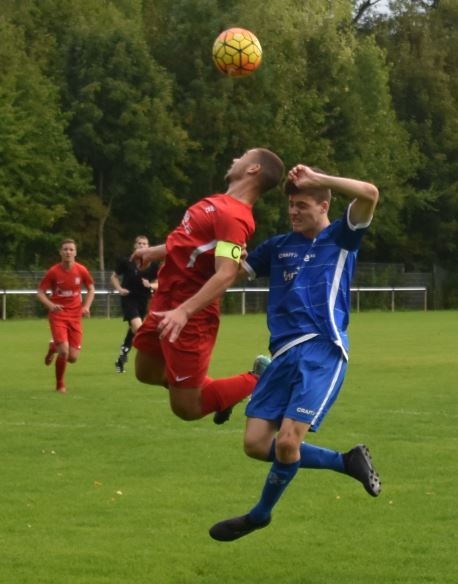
[
  {"x": 182, "y": 367},
  {"x": 222, "y": 415},
  {"x": 283, "y": 470},
  {"x": 301, "y": 403},
  {"x": 220, "y": 395},
  {"x": 313, "y": 393},
  {"x": 149, "y": 359},
  {"x": 193, "y": 394},
  {"x": 214, "y": 395},
  {"x": 260, "y": 443},
  {"x": 150, "y": 368},
  {"x": 185, "y": 402},
  {"x": 287, "y": 459}
]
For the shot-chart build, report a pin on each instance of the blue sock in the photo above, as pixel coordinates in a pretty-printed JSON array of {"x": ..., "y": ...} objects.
[
  {"x": 278, "y": 479},
  {"x": 315, "y": 457}
]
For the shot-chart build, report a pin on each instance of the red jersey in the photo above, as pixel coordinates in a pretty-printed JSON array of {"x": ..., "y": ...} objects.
[
  {"x": 65, "y": 286},
  {"x": 190, "y": 248}
]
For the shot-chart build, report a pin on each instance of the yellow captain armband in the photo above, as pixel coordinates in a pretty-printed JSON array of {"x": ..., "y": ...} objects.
[{"x": 229, "y": 250}]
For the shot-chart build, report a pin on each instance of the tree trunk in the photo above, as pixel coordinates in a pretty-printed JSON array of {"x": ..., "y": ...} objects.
[{"x": 101, "y": 231}]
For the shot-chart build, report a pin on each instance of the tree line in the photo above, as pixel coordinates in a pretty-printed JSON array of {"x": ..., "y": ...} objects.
[{"x": 113, "y": 118}]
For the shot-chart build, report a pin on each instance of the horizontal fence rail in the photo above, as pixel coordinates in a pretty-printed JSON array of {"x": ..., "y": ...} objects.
[
  {"x": 108, "y": 296},
  {"x": 392, "y": 291},
  {"x": 356, "y": 291}
]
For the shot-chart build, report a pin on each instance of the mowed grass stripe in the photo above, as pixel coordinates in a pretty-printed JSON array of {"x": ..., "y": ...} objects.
[{"x": 105, "y": 485}]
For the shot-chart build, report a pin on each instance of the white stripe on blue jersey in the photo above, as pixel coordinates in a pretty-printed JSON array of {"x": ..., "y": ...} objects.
[
  {"x": 333, "y": 298},
  {"x": 309, "y": 290}
]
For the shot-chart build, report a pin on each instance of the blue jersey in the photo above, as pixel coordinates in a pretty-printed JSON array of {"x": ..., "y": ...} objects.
[{"x": 309, "y": 291}]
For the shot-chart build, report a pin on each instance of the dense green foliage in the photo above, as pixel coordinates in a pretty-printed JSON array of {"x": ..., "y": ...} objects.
[{"x": 113, "y": 117}]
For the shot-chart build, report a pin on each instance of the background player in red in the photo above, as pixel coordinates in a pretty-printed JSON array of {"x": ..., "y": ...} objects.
[
  {"x": 201, "y": 260},
  {"x": 64, "y": 303}
]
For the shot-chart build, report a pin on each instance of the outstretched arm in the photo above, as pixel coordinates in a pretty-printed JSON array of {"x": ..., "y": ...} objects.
[
  {"x": 148, "y": 255},
  {"x": 365, "y": 194}
]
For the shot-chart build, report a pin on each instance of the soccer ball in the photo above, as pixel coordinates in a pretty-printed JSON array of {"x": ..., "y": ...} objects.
[{"x": 237, "y": 52}]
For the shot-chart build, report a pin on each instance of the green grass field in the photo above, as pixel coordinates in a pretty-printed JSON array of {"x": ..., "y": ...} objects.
[{"x": 105, "y": 486}]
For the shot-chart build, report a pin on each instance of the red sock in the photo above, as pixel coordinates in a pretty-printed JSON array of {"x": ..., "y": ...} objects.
[
  {"x": 219, "y": 394},
  {"x": 61, "y": 364}
]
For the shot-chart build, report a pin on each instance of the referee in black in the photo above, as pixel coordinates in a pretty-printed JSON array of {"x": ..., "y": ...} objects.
[{"x": 135, "y": 288}]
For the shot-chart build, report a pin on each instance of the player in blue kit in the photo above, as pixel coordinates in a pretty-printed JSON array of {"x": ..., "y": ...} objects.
[{"x": 310, "y": 271}]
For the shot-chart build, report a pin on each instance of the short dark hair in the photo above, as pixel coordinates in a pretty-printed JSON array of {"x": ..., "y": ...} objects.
[
  {"x": 272, "y": 167},
  {"x": 67, "y": 240},
  {"x": 319, "y": 194}
]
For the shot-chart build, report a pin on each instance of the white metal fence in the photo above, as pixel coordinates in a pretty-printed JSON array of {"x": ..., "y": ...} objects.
[
  {"x": 394, "y": 296},
  {"x": 236, "y": 300}
]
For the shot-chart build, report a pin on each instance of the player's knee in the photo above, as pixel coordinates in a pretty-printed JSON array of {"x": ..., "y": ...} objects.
[
  {"x": 254, "y": 449},
  {"x": 185, "y": 413},
  {"x": 139, "y": 376},
  {"x": 286, "y": 448},
  {"x": 251, "y": 450},
  {"x": 143, "y": 376}
]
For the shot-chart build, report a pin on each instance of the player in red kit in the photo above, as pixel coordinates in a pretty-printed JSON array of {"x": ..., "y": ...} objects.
[
  {"x": 64, "y": 303},
  {"x": 200, "y": 261}
]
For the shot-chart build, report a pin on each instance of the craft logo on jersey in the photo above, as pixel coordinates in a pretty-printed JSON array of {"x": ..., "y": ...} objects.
[
  {"x": 287, "y": 254},
  {"x": 305, "y": 411}
]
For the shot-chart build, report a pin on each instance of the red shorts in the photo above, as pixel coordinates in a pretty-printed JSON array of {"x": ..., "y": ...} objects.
[
  {"x": 186, "y": 360},
  {"x": 66, "y": 330}
]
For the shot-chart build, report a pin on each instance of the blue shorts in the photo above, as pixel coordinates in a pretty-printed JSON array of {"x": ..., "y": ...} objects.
[{"x": 301, "y": 384}]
